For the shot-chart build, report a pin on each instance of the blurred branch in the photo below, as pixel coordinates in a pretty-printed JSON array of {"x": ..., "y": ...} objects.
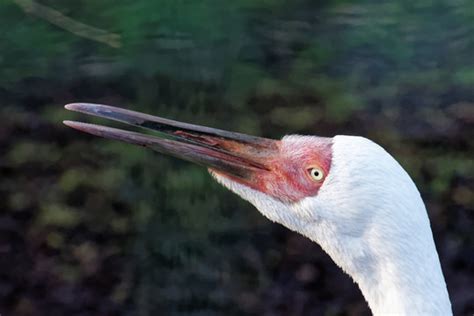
[{"x": 78, "y": 28}]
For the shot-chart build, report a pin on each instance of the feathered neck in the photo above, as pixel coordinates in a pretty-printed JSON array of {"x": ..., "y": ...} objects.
[
  {"x": 377, "y": 230},
  {"x": 398, "y": 273},
  {"x": 403, "y": 280}
]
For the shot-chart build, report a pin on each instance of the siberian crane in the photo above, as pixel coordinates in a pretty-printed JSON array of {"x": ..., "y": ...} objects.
[{"x": 345, "y": 193}]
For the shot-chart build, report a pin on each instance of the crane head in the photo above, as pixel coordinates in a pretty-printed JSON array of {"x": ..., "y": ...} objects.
[
  {"x": 317, "y": 186},
  {"x": 287, "y": 171},
  {"x": 298, "y": 181}
]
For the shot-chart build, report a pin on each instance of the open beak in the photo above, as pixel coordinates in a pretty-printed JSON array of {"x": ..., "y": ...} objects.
[{"x": 234, "y": 154}]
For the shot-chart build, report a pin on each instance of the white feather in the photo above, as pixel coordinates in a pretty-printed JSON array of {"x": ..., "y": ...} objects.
[{"x": 369, "y": 217}]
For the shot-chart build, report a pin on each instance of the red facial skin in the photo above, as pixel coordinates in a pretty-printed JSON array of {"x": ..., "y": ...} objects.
[
  {"x": 281, "y": 169},
  {"x": 289, "y": 178}
]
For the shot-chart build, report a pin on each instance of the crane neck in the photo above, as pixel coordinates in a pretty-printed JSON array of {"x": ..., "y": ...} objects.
[
  {"x": 397, "y": 270},
  {"x": 394, "y": 285}
]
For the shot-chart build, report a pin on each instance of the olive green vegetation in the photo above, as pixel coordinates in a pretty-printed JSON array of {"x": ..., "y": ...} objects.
[{"x": 94, "y": 227}]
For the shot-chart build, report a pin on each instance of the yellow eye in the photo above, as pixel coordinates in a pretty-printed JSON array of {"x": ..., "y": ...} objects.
[{"x": 316, "y": 173}]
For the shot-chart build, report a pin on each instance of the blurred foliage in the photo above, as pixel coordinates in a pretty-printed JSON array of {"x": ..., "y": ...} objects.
[{"x": 92, "y": 227}]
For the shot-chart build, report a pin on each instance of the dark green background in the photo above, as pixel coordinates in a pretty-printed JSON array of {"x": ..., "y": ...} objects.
[{"x": 95, "y": 227}]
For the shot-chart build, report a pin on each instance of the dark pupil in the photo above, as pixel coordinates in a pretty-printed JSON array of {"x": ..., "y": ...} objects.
[{"x": 315, "y": 173}]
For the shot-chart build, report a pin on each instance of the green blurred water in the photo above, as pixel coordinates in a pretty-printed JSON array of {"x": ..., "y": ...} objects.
[{"x": 93, "y": 227}]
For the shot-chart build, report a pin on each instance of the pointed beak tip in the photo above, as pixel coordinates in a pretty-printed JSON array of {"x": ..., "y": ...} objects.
[
  {"x": 71, "y": 106},
  {"x": 72, "y": 124},
  {"x": 76, "y": 125},
  {"x": 67, "y": 123},
  {"x": 80, "y": 107}
]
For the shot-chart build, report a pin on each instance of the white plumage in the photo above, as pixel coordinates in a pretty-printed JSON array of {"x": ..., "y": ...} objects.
[{"x": 369, "y": 217}]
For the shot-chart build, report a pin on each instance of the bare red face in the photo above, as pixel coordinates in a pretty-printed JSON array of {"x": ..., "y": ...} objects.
[
  {"x": 288, "y": 170},
  {"x": 297, "y": 170}
]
